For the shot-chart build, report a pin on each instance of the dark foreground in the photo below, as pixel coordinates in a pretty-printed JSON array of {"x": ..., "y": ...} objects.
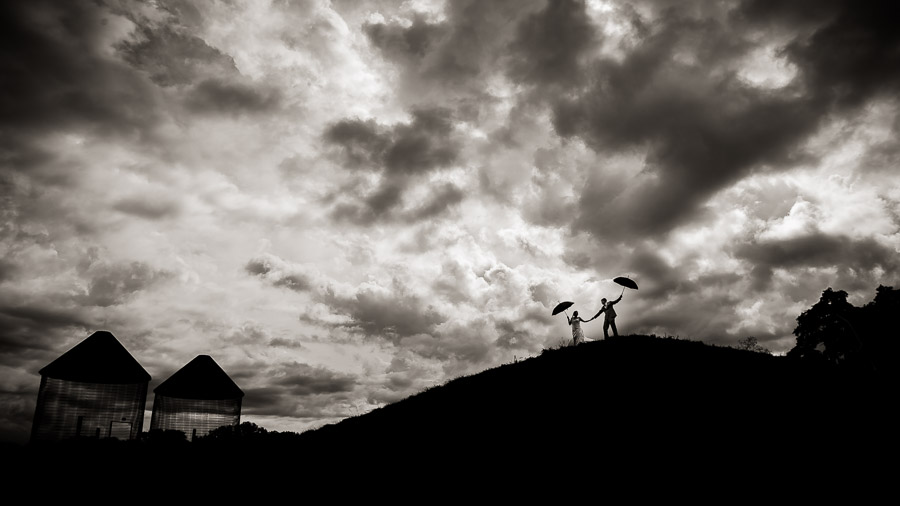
[{"x": 643, "y": 415}]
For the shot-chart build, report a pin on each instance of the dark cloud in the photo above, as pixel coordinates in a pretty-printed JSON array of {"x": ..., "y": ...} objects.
[
  {"x": 295, "y": 390},
  {"x": 52, "y": 317},
  {"x": 185, "y": 11},
  {"x": 406, "y": 44},
  {"x": 172, "y": 57},
  {"x": 549, "y": 44},
  {"x": 111, "y": 284},
  {"x": 258, "y": 266},
  {"x": 443, "y": 197},
  {"x": 704, "y": 131},
  {"x": 454, "y": 52},
  {"x": 460, "y": 346},
  {"x": 379, "y": 312},
  {"x": 406, "y": 375},
  {"x": 302, "y": 391},
  {"x": 688, "y": 314},
  {"x": 37, "y": 327},
  {"x": 56, "y": 75},
  {"x": 661, "y": 281},
  {"x": 422, "y": 145},
  {"x": 676, "y": 96},
  {"x": 280, "y": 273},
  {"x": 296, "y": 282},
  {"x": 658, "y": 278},
  {"x": 16, "y": 413},
  {"x": 517, "y": 335},
  {"x": 377, "y": 204},
  {"x": 8, "y": 270},
  {"x": 448, "y": 61},
  {"x": 855, "y": 259},
  {"x": 275, "y": 401},
  {"x": 806, "y": 13},
  {"x": 362, "y": 142},
  {"x": 385, "y": 313},
  {"x": 853, "y": 56},
  {"x": 286, "y": 343},
  {"x": 401, "y": 154},
  {"x": 149, "y": 206},
  {"x": 305, "y": 380},
  {"x": 384, "y": 205},
  {"x": 32, "y": 334},
  {"x": 217, "y": 96}
]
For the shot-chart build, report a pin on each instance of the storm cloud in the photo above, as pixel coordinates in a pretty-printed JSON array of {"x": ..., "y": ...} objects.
[
  {"x": 856, "y": 261},
  {"x": 59, "y": 75},
  {"x": 389, "y": 312},
  {"x": 400, "y": 154},
  {"x": 304, "y": 380}
]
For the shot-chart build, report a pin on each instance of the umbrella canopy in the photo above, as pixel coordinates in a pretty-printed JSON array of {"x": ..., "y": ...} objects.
[
  {"x": 562, "y": 306},
  {"x": 627, "y": 283}
]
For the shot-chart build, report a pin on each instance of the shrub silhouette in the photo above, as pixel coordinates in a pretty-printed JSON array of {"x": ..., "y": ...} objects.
[
  {"x": 245, "y": 430},
  {"x": 165, "y": 437},
  {"x": 750, "y": 343}
]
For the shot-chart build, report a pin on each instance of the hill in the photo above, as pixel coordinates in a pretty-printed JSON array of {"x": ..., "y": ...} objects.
[
  {"x": 658, "y": 405},
  {"x": 633, "y": 394}
]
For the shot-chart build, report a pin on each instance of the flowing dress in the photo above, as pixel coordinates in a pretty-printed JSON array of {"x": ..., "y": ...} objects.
[{"x": 577, "y": 333}]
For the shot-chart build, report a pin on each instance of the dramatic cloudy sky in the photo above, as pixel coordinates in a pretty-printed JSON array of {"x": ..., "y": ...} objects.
[{"x": 344, "y": 202}]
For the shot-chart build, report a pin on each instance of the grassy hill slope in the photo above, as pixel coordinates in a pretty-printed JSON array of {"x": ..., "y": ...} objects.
[
  {"x": 634, "y": 408},
  {"x": 623, "y": 397}
]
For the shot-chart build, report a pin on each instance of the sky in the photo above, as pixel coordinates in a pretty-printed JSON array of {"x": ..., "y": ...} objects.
[{"x": 347, "y": 202}]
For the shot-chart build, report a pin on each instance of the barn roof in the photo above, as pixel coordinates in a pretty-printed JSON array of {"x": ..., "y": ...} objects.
[
  {"x": 201, "y": 378},
  {"x": 100, "y": 358}
]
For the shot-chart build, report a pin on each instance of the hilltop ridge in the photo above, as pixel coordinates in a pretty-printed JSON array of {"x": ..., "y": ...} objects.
[
  {"x": 620, "y": 405},
  {"x": 631, "y": 395}
]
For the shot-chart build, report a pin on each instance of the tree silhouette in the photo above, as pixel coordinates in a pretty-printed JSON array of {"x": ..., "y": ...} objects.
[
  {"x": 750, "y": 343},
  {"x": 863, "y": 338},
  {"x": 825, "y": 330},
  {"x": 245, "y": 430},
  {"x": 879, "y": 331}
]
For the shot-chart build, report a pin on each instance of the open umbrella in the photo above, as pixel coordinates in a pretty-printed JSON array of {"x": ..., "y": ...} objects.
[
  {"x": 562, "y": 306},
  {"x": 627, "y": 283}
]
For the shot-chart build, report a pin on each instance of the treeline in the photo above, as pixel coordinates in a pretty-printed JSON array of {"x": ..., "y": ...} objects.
[{"x": 859, "y": 339}]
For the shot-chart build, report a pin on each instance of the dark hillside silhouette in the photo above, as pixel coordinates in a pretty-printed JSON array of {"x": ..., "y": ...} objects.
[
  {"x": 637, "y": 394},
  {"x": 637, "y": 407}
]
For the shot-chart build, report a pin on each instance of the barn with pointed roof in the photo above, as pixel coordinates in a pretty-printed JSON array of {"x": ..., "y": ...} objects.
[
  {"x": 96, "y": 389},
  {"x": 196, "y": 399}
]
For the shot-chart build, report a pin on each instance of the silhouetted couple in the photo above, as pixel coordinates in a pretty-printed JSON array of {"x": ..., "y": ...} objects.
[{"x": 609, "y": 320}]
